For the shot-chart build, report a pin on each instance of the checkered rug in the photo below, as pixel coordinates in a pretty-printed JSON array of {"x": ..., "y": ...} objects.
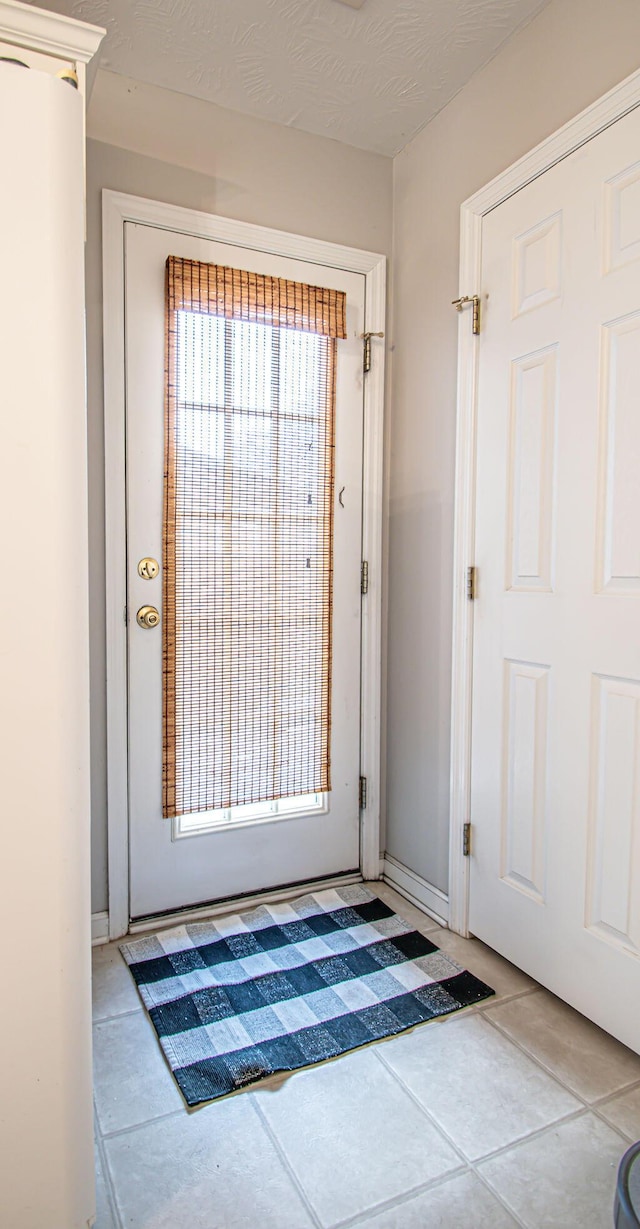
[{"x": 236, "y": 999}]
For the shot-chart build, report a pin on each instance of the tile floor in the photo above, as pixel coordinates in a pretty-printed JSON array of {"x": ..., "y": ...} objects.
[{"x": 514, "y": 1112}]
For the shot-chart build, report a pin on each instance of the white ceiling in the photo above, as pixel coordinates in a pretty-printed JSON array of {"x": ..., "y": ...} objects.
[{"x": 370, "y": 76}]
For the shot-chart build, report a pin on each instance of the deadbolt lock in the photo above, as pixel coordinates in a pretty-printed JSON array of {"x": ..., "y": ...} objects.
[
  {"x": 148, "y": 568},
  {"x": 148, "y": 616}
]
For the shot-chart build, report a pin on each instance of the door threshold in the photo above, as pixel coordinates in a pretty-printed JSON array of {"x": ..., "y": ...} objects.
[{"x": 247, "y": 901}]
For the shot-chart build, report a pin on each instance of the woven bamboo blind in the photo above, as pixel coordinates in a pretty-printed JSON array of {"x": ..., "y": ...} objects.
[{"x": 248, "y": 536}]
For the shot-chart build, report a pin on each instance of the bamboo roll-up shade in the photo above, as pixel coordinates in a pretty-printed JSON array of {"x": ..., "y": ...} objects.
[
  {"x": 239, "y": 295},
  {"x": 248, "y": 536}
]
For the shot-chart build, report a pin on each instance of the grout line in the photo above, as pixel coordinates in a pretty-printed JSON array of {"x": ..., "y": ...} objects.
[
  {"x": 409, "y": 1091},
  {"x": 107, "y": 1176},
  {"x": 538, "y": 1061},
  {"x": 500, "y": 1199},
  {"x": 288, "y": 1168},
  {"x": 548, "y": 1070},
  {"x": 497, "y": 1151},
  {"x": 619, "y": 1092},
  {"x": 107, "y": 1136},
  {"x": 498, "y": 999},
  {"x": 388, "y": 1205},
  {"x": 474, "y": 1165},
  {"x": 531, "y": 1135},
  {"x": 120, "y": 1015},
  {"x": 612, "y": 1127},
  {"x": 485, "y": 1009}
]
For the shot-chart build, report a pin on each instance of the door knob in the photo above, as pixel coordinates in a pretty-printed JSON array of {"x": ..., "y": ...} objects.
[{"x": 148, "y": 616}]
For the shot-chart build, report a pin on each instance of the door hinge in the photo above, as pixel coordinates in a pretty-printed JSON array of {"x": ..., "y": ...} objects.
[
  {"x": 125, "y": 613},
  {"x": 472, "y": 583},
  {"x": 364, "y": 577},
  {"x": 366, "y": 352},
  {"x": 474, "y": 299},
  {"x": 362, "y": 793},
  {"x": 466, "y": 840}
]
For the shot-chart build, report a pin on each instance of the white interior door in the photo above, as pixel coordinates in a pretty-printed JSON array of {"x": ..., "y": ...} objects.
[
  {"x": 199, "y": 858},
  {"x": 555, "y": 868}
]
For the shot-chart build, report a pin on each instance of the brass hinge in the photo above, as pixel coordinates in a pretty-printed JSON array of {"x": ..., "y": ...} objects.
[
  {"x": 366, "y": 353},
  {"x": 466, "y": 840},
  {"x": 475, "y": 300},
  {"x": 362, "y": 793},
  {"x": 364, "y": 577},
  {"x": 472, "y": 583},
  {"x": 126, "y": 616}
]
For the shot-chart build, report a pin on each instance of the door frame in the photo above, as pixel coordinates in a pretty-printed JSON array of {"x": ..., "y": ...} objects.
[
  {"x": 118, "y": 208},
  {"x": 594, "y": 119}
]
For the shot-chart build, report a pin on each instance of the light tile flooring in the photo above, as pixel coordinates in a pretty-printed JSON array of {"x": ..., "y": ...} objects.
[{"x": 515, "y": 1112}]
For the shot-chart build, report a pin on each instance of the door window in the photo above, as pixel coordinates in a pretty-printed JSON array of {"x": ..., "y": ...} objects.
[{"x": 248, "y": 544}]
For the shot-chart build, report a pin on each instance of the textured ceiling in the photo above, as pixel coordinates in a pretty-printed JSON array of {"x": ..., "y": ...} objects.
[{"x": 369, "y": 76}]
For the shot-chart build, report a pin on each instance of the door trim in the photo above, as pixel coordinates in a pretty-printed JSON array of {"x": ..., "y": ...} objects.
[
  {"x": 230, "y": 904},
  {"x": 595, "y": 119},
  {"x": 118, "y": 208}
]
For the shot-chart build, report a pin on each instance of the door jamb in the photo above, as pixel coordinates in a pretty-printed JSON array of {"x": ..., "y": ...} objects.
[
  {"x": 118, "y": 208},
  {"x": 593, "y": 120}
]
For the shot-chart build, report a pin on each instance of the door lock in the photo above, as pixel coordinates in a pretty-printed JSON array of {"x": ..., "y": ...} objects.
[
  {"x": 148, "y": 616},
  {"x": 148, "y": 568}
]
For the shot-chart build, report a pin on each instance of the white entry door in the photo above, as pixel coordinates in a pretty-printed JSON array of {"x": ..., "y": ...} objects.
[
  {"x": 555, "y": 799},
  {"x": 190, "y": 859}
]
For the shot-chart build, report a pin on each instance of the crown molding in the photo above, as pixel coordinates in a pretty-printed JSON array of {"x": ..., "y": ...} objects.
[{"x": 50, "y": 33}]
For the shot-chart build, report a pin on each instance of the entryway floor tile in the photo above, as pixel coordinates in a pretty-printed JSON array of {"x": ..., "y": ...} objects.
[
  {"x": 132, "y": 1082},
  {"x": 114, "y": 991},
  {"x": 353, "y": 1137},
  {"x": 215, "y": 1169},
  {"x": 562, "y": 1178},
  {"x": 482, "y": 1090},
  {"x": 585, "y": 1058}
]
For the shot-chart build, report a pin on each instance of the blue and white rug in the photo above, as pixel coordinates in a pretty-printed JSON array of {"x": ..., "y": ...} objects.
[{"x": 237, "y": 999}]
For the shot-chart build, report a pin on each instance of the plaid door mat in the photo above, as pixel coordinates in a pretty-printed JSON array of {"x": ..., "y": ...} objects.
[{"x": 236, "y": 999}]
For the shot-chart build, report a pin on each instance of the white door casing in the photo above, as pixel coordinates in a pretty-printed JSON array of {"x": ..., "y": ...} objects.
[
  {"x": 117, "y": 211},
  {"x": 548, "y": 449}
]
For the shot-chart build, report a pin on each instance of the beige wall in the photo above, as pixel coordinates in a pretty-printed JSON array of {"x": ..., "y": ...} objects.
[
  {"x": 155, "y": 143},
  {"x": 573, "y": 52}
]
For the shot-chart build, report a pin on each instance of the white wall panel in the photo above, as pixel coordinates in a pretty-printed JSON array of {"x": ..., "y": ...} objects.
[
  {"x": 524, "y": 777},
  {"x": 537, "y": 264},
  {"x": 532, "y": 432},
  {"x": 622, "y": 214},
  {"x": 613, "y": 888},
  {"x": 619, "y": 496}
]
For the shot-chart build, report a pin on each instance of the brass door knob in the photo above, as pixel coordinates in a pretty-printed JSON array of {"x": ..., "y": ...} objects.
[{"x": 148, "y": 616}]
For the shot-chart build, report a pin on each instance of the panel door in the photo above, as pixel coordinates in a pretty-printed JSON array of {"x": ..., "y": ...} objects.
[
  {"x": 192, "y": 859},
  {"x": 555, "y": 871}
]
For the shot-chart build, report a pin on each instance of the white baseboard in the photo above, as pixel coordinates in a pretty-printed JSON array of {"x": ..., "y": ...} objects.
[
  {"x": 99, "y": 928},
  {"x": 416, "y": 889}
]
